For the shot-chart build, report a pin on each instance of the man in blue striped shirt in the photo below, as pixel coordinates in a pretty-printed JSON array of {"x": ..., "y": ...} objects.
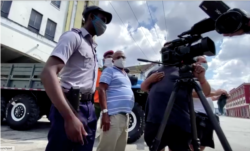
[{"x": 117, "y": 100}]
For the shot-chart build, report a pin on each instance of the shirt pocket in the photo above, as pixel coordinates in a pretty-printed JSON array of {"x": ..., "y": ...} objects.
[{"x": 88, "y": 58}]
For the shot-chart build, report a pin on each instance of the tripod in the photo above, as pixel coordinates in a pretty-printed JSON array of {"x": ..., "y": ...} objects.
[{"x": 187, "y": 79}]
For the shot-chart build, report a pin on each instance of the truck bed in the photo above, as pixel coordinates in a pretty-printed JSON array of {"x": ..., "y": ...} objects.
[{"x": 25, "y": 76}]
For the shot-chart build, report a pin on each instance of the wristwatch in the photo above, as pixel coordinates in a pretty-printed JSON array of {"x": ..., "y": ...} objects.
[{"x": 105, "y": 111}]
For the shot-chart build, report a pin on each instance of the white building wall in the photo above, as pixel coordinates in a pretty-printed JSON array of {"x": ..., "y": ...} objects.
[{"x": 15, "y": 33}]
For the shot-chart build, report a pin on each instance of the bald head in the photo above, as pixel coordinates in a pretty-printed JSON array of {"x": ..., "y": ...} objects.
[
  {"x": 119, "y": 54},
  {"x": 119, "y": 59},
  {"x": 201, "y": 59}
]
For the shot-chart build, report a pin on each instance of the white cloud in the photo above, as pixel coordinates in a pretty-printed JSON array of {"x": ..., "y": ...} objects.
[
  {"x": 232, "y": 64},
  {"x": 229, "y": 68}
]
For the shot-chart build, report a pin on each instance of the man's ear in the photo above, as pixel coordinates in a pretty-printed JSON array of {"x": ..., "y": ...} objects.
[{"x": 91, "y": 16}]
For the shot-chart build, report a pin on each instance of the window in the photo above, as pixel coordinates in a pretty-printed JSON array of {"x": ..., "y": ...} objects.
[
  {"x": 5, "y": 8},
  {"x": 35, "y": 21},
  {"x": 56, "y": 3},
  {"x": 50, "y": 29}
]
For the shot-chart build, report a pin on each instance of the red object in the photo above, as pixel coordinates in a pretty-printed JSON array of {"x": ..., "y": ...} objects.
[
  {"x": 96, "y": 96},
  {"x": 108, "y": 52},
  {"x": 238, "y": 105}
]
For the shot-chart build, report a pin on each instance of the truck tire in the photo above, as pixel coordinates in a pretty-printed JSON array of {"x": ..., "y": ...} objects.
[
  {"x": 136, "y": 123},
  {"x": 3, "y": 107},
  {"x": 22, "y": 112}
]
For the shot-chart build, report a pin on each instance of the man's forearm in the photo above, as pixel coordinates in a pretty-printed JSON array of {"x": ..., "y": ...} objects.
[
  {"x": 145, "y": 85},
  {"x": 102, "y": 98},
  {"x": 212, "y": 94},
  {"x": 205, "y": 86},
  {"x": 54, "y": 91},
  {"x": 215, "y": 98}
]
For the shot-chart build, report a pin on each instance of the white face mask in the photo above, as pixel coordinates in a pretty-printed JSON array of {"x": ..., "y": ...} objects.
[
  {"x": 204, "y": 65},
  {"x": 119, "y": 63},
  {"x": 108, "y": 62}
]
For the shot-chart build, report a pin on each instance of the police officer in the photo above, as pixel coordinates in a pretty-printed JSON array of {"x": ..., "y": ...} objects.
[{"x": 73, "y": 129}]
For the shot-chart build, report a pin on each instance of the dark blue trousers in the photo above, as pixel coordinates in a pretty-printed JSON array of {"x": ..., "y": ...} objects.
[{"x": 57, "y": 137}]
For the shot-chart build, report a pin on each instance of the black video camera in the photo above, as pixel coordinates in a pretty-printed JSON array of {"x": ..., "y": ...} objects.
[
  {"x": 180, "y": 51},
  {"x": 226, "y": 20}
]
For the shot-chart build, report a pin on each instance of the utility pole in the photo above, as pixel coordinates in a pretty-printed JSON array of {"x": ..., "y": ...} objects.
[{"x": 86, "y": 3}]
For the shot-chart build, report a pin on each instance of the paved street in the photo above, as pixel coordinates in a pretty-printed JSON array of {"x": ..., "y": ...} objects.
[{"x": 237, "y": 131}]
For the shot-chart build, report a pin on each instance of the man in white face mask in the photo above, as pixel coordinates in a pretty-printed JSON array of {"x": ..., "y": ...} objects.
[
  {"x": 117, "y": 100},
  {"x": 205, "y": 132},
  {"x": 107, "y": 59},
  {"x": 107, "y": 62}
]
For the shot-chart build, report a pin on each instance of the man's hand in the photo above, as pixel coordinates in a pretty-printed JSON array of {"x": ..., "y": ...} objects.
[
  {"x": 238, "y": 33},
  {"x": 155, "y": 77},
  {"x": 220, "y": 92},
  {"x": 199, "y": 72},
  {"x": 105, "y": 123},
  {"x": 75, "y": 130}
]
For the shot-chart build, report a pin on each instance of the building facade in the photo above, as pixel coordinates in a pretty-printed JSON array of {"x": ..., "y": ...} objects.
[
  {"x": 239, "y": 103},
  {"x": 31, "y": 29},
  {"x": 74, "y": 16},
  {"x": 141, "y": 71}
]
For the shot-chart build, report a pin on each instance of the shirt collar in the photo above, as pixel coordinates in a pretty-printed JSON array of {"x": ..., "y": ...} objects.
[
  {"x": 119, "y": 70},
  {"x": 86, "y": 33}
]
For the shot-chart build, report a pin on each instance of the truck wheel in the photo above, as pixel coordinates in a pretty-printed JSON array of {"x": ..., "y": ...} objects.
[
  {"x": 22, "y": 112},
  {"x": 3, "y": 107},
  {"x": 136, "y": 123}
]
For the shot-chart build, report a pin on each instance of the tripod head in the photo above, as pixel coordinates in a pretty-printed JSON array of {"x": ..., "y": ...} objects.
[{"x": 185, "y": 70}]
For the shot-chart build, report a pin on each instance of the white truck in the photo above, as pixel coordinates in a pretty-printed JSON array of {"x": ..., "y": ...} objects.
[{"x": 24, "y": 100}]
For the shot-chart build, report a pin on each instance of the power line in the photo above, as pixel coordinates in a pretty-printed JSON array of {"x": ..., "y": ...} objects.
[
  {"x": 151, "y": 16},
  {"x": 164, "y": 14},
  {"x": 128, "y": 31},
  {"x": 139, "y": 23}
]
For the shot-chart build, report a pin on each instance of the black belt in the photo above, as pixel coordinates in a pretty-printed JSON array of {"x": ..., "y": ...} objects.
[
  {"x": 86, "y": 97},
  {"x": 82, "y": 97}
]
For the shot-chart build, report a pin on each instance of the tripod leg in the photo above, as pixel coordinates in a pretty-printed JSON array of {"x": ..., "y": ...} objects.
[
  {"x": 195, "y": 139},
  {"x": 157, "y": 140},
  {"x": 218, "y": 130}
]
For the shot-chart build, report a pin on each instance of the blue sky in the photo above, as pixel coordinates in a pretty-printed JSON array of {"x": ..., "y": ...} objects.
[
  {"x": 153, "y": 21},
  {"x": 179, "y": 16}
]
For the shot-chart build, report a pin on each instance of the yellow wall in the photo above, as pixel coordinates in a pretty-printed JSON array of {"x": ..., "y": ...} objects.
[
  {"x": 67, "y": 25},
  {"x": 79, "y": 10}
]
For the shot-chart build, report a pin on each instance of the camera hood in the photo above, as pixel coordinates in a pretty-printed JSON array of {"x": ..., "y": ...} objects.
[{"x": 231, "y": 21}]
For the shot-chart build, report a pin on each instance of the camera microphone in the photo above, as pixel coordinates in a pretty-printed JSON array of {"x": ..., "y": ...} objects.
[
  {"x": 144, "y": 60},
  {"x": 201, "y": 27}
]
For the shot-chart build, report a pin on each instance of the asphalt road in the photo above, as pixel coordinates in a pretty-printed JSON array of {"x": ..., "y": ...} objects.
[{"x": 236, "y": 130}]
